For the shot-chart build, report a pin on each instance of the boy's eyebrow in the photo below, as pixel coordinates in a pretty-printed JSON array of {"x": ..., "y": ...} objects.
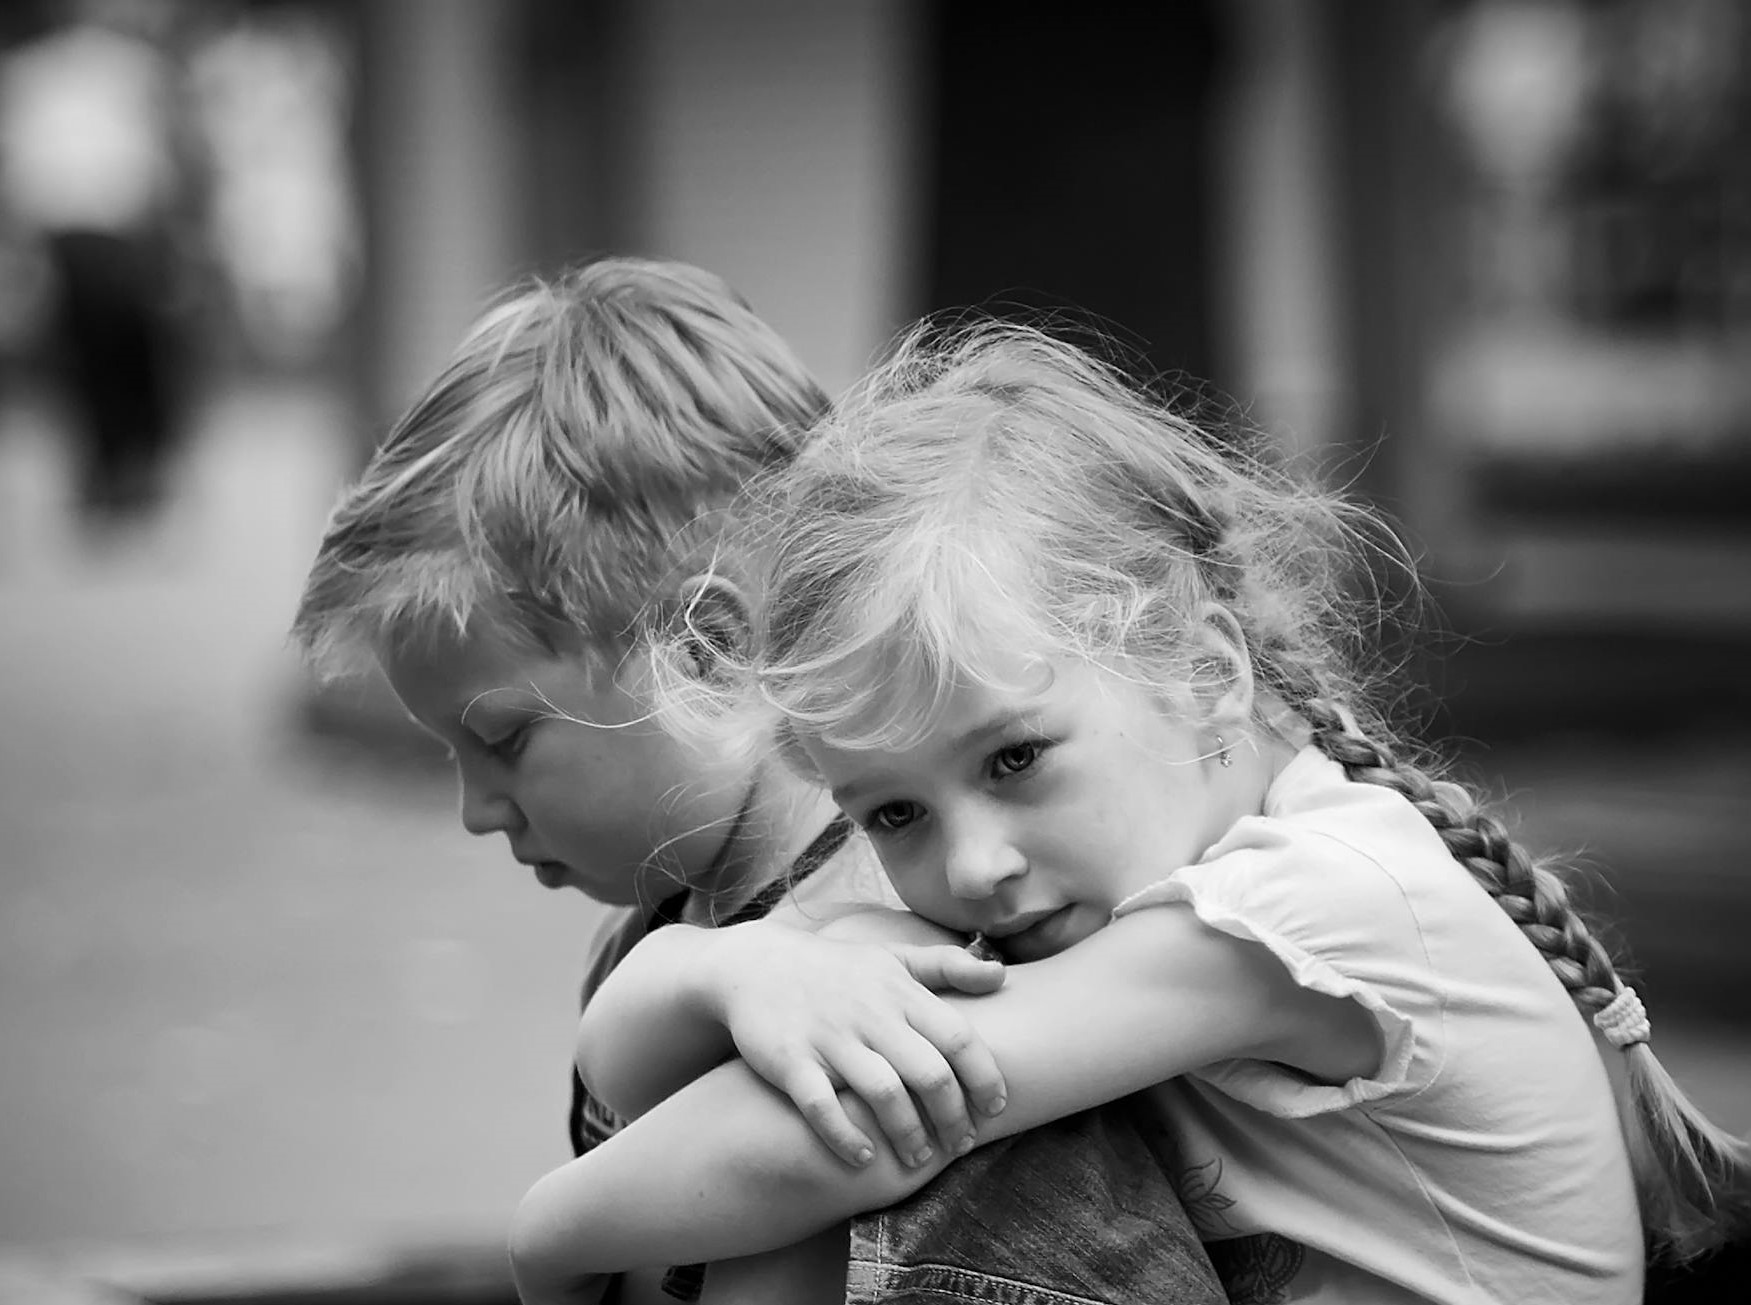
[{"x": 485, "y": 702}]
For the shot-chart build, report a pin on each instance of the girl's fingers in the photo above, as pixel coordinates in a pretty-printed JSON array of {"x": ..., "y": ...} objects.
[
  {"x": 872, "y": 1077},
  {"x": 932, "y": 1080},
  {"x": 813, "y": 1094},
  {"x": 976, "y": 1074},
  {"x": 940, "y": 967}
]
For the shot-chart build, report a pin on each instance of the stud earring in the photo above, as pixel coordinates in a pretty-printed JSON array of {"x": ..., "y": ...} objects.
[{"x": 1223, "y": 756}]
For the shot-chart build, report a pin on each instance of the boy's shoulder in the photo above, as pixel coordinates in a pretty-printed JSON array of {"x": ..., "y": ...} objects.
[
  {"x": 620, "y": 930},
  {"x": 850, "y": 880}
]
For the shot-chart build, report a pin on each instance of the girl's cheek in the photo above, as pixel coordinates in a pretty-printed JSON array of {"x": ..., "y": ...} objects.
[{"x": 910, "y": 882}]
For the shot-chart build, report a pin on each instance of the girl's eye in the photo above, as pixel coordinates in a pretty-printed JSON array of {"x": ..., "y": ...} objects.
[
  {"x": 893, "y": 816},
  {"x": 1015, "y": 758}
]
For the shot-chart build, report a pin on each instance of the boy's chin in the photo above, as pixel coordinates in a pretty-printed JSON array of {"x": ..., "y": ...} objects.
[
  {"x": 611, "y": 886},
  {"x": 552, "y": 874}
]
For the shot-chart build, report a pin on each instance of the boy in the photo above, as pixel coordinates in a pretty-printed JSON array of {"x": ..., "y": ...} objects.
[{"x": 535, "y": 540}]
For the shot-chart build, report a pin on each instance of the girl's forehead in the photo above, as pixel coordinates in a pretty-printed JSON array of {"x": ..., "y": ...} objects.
[{"x": 963, "y": 710}]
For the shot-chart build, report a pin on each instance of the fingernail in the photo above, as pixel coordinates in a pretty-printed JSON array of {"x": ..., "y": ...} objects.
[
  {"x": 864, "y": 1155},
  {"x": 964, "y": 1145},
  {"x": 995, "y": 1105},
  {"x": 921, "y": 1156}
]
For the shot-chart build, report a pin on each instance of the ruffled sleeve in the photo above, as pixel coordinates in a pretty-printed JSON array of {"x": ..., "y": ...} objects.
[{"x": 1341, "y": 924}]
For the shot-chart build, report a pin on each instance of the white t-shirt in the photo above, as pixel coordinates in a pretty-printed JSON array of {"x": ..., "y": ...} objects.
[{"x": 1484, "y": 1162}]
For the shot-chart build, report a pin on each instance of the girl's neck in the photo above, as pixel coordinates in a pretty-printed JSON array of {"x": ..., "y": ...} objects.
[{"x": 781, "y": 816}]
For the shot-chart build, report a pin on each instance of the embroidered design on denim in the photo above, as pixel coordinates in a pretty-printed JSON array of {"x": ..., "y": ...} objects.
[
  {"x": 1256, "y": 1268},
  {"x": 1207, "y": 1206}
]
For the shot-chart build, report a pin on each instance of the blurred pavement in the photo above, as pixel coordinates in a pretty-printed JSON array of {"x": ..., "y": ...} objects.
[{"x": 256, "y": 986}]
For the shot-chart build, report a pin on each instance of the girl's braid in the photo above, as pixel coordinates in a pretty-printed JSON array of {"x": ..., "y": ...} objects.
[
  {"x": 1693, "y": 1179},
  {"x": 1534, "y": 896}
]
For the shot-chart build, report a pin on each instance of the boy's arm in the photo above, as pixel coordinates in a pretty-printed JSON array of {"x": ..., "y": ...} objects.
[
  {"x": 1149, "y": 997},
  {"x": 810, "y": 1010}
]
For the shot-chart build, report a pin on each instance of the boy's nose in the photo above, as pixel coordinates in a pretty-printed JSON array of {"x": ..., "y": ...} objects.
[
  {"x": 485, "y": 809},
  {"x": 980, "y": 856}
]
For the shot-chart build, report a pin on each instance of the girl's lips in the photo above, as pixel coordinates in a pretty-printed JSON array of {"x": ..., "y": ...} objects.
[
  {"x": 1044, "y": 937},
  {"x": 551, "y": 874}
]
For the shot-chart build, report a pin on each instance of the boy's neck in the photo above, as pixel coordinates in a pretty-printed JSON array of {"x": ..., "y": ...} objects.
[{"x": 779, "y": 820}]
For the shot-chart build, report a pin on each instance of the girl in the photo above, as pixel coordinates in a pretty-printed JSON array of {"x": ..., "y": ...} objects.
[{"x": 1083, "y": 676}]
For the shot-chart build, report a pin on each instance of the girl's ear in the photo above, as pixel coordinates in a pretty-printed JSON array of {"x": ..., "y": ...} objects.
[
  {"x": 1224, "y": 684},
  {"x": 713, "y": 619}
]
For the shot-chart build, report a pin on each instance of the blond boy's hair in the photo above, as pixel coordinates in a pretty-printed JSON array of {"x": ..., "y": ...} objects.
[{"x": 563, "y": 470}]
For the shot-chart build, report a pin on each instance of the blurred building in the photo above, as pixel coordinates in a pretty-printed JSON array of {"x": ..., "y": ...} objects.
[{"x": 1489, "y": 260}]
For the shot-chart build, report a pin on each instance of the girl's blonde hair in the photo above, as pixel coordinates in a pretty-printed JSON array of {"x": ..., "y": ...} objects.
[{"x": 990, "y": 491}]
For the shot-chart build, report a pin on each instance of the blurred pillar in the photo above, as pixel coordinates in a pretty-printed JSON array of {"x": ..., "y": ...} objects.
[
  {"x": 1280, "y": 308},
  {"x": 444, "y": 178},
  {"x": 774, "y": 142},
  {"x": 443, "y": 156},
  {"x": 1072, "y": 168},
  {"x": 1395, "y": 188}
]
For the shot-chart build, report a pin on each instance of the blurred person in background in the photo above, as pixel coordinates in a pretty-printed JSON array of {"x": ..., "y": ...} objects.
[{"x": 88, "y": 171}]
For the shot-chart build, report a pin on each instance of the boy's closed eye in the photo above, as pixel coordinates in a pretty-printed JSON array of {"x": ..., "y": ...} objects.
[{"x": 508, "y": 746}]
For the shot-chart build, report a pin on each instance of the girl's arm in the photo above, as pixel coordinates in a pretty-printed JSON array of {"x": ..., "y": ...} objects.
[
  {"x": 728, "y": 1167},
  {"x": 814, "y": 1005}
]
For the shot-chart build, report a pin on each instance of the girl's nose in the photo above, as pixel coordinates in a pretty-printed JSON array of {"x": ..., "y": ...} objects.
[{"x": 980, "y": 855}]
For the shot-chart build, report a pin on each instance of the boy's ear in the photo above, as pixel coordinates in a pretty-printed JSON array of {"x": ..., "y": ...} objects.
[
  {"x": 713, "y": 616},
  {"x": 1224, "y": 683}
]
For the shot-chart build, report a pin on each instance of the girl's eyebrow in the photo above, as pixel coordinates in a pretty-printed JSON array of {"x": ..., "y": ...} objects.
[
  {"x": 995, "y": 724},
  {"x": 1000, "y": 722}
]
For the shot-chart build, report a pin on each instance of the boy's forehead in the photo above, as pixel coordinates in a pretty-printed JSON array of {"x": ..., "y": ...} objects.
[{"x": 442, "y": 677}]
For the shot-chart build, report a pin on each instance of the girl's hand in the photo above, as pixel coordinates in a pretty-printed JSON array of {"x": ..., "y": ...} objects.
[{"x": 812, "y": 1013}]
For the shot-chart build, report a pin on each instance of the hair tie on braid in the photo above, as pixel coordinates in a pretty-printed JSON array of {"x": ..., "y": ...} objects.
[{"x": 1624, "y": 1022}]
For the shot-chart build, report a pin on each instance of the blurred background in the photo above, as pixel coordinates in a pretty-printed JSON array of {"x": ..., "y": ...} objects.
[{"x": 270, "y": 1024}]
